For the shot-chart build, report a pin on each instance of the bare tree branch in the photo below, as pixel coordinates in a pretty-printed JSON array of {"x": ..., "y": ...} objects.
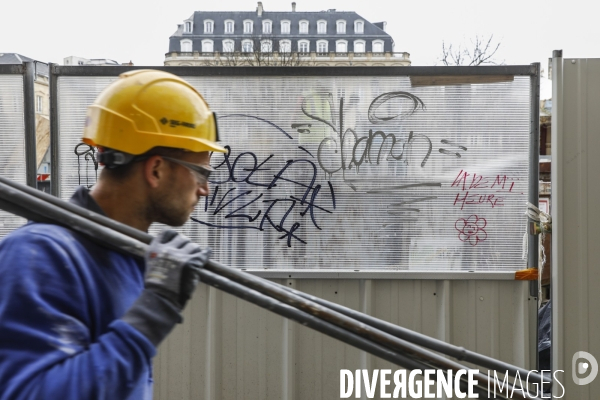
[{"x": 481, "y": 51}]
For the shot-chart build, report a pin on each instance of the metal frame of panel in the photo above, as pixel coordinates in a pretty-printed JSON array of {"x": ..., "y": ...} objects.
[
  {"x": 454, "y": 72},
  {"x": 27, "y": 70}
]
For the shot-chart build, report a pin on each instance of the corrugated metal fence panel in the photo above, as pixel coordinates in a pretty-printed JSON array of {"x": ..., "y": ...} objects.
[
  {"x": 74, "y": 96},
  {"x": 304, "y": 185},
  {"x": 576, "y": 222},
  {"x": 12, "y": 140},
  {"x": 228, "y": 349}
]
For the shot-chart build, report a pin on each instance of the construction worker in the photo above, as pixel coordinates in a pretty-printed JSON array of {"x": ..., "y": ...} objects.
[{"x": 80, "y": 321}]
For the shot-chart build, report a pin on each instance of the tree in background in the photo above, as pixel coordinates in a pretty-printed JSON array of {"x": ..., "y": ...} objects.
[{"x": 480, "y": 51}]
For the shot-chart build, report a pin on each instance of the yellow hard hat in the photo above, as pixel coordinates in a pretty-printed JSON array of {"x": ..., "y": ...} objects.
[{"x": 148, "y": 108}]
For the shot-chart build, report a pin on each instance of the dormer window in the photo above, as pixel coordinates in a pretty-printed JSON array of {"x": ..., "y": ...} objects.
[
  {"x": 285, "y": 26},
  {"x": 186, "y": 46},
  {"x": 377, "y": 46},
  {"x": 322, "y": 27},
  {"x": 247, "y": 46},
  {"x": 340, "y": 26},
  {"x": 359, "y": 26},
  {"x": 322, "y": 46},
  {"x": 303, "y": 46},
  {"x": 248, "y": 26},
  {"x": 303, "y": 27},
  {"x": 228, "y": 46},
  {"x": 359, "y": 46},
  {"x": 229, "y": 26},
  {"x": 267, "y": 26},
  {"x": 341, "y": 46},
  {"x": 207, "y": 46},
  {"x": 187, "y": 27},
  {"x": 285, "y": 46},
  {"x": 266, "y": 46},
  {"x": 208, "y": 26}
]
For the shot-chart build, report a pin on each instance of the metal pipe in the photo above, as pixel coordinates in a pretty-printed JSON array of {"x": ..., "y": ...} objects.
[
  {"x": 29, "y": 120},
  {"x": 459, "y": 353},
  {"x": 24, "y": 204}
]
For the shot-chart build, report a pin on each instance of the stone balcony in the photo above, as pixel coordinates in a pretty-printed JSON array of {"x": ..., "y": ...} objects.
[{"x": 310, "y": 59}]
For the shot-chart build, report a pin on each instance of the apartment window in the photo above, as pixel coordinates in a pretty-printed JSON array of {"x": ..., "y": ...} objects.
[
  {"x": 39, "y": 105},
  {"x": 377, "y": 46},
  {"x": 359, "y": 26},
  {"x": 341, "y": 46},
  {"x": 229, "y": 26},
  {"x": 208, "y": 26},
  {"x": 322, "y": 46},
  {"x": 303, "y": 46},
  {"x": 187, "y": 27},
  {"x": 228, "y": 46},
  {"x": 341, "y": 27},
  {"x": 322, "y": 27},
  {"x": 248, "y": 26},
  {"x": 186, "y": 46},
  {"x": 266, "y": 46},
  {"x": 359, "y": 46},
  {"x": 285, "y": 26},
  {"x": 303, "y": 26},
  {"x": 247, "y": 46},
  {"x": 267, "y": 26},
  {"x": 207, "y": 46},
  {"x": 285, "y": 46}
]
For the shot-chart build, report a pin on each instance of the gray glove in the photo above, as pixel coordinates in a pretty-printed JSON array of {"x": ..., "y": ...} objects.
[{"x": 172, "y": 261}]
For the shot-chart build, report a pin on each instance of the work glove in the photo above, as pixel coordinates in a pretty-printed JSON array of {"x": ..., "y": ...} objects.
[{"x": 172, "y": 262}]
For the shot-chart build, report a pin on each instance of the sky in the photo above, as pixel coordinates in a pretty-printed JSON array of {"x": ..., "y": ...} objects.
[{"x": 138, "y": 31}]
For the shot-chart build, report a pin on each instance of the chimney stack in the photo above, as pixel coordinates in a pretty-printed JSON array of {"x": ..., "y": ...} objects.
[
  {"x": 293, "y": 6},
  {"x": 259, "y": 9}
]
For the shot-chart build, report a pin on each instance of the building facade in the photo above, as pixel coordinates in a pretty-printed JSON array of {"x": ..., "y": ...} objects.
[
  {"x": 42, "y": 109},
  {"x": 292, "y": 38}
]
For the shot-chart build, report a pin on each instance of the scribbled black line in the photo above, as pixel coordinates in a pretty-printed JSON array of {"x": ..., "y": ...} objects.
[
  {"x": 311, "y": 202},
  {"x": 294, "y": 182},
  {"x": 258, "y": 118},
  {"x": 214, "y": 195},
  {"x": 279, "y": 227},
  {"x": 224, "y": 226},
  {"x": 392, "y": 188},
  {"x": 403, "y": 210},
  {"x": 332, "y": 193},
  {"x": 88, "y": 154},
  {"x": 219, "y": 207},
  {"x": 289, "y": 163},
  {"x": 413, "y": 201},
  {"x": 309, "y": 153},
  {"x": 250, "y": 219},
  {"x": 450, "y": 153},
  {"x": 446, "y": 141},
  {"x": 382, "y": 99}
]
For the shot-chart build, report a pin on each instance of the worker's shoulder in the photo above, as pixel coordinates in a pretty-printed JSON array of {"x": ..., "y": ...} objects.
[
  {"x": 42, "y": 237},
  {"x": 34, "y": 231}
]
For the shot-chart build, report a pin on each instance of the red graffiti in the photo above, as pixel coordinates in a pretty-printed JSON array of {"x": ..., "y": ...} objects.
[
  {"x": 475, "y": 189},
  {"x": 471, "y": 230}
]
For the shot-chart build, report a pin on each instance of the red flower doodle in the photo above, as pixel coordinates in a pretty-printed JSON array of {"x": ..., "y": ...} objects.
[{"x": 471, "y": 230}]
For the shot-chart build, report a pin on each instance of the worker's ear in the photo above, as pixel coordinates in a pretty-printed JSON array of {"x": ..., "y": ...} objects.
[{"x": 155, "y": 170}]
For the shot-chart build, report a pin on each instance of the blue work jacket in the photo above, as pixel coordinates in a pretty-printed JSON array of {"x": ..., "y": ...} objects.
[{"x": 61, "y": 297}]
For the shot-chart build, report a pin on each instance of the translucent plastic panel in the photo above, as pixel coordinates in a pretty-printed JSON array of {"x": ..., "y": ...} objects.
[
  {"x": 352, "y": 172},
  {"x": 12, "y": 140}
]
